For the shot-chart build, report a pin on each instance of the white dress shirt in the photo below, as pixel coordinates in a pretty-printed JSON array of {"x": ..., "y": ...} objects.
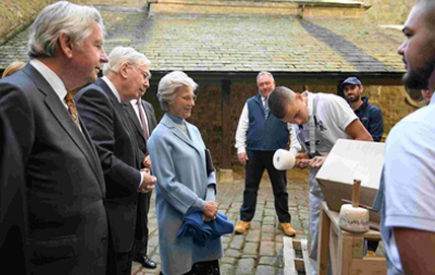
[
  {"x": 136, "y": 111},
  {"x": 54, "y": 81}
]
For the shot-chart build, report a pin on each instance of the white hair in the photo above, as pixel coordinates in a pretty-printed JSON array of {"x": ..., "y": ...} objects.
[
  {"x": 121, "y": 55},
  {"x": 264, "y": 73},
  {"x": 61, "y": 17},
  {"x": 168, "y": 87}
]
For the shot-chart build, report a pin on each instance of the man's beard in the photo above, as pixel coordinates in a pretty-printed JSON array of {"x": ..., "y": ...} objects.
[
  {"x": 355, "y": 99},
  {"x": 419, "y": 79}
]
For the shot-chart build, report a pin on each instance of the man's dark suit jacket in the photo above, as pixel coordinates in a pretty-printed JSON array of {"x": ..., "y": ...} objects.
[
  {"x": 12, "y": 203},
  {"x": 142, "y": 231},
  {"x": 137, "y": 128},
  {"x": 65, "y": 218},
  {"x": 110, "y": 130}
]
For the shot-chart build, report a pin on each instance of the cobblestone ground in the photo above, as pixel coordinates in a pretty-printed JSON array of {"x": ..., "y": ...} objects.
[{"x": 259, "y": 251}]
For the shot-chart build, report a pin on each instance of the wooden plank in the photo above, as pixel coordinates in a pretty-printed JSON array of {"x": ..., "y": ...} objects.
[
  {"x": 358, "y": 247},
  {"x": 306, "y": 255},
  {"x": 299, "y": 265},
  {"x": 323, "y": 249},
  {"x": 369, "y": 266},
  {"x": 346, "y": 254},
  {"x": 289, "y": 257},
  {"x": 334, "y": 250}
]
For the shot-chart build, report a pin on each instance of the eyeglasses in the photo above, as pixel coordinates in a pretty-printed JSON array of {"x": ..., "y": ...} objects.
[
  {"x": 147, "y": 77},
  {"x": 189, "y": 98}
]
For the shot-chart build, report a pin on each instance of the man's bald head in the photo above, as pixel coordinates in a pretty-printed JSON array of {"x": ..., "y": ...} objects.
[{"x": 429, "y": 12}]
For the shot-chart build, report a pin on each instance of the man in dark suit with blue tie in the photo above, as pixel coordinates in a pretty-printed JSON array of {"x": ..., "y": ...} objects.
[
  {"x": 100, "y": 106},
  {"x": 65, "y": 223},
  {"x": 143, "y": 121}
]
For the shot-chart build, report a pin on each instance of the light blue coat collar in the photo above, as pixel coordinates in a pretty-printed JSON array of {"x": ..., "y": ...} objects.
[{"x": 168, "y": 121}]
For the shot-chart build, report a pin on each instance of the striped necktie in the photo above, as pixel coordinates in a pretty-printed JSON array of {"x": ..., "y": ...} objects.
[
  {"x": 142, "y": 119},
  {"x": 266, "y": 109}
]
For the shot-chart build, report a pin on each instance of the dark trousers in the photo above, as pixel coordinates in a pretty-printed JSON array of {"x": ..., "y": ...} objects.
[
  {"x": 258, "y": 161},
  {"x": 123, "y": 263},
  {"x": 140, "y": 245}
]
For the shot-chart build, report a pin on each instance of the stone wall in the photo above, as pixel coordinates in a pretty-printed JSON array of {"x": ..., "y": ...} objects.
[
  {"x": 207, "y": 114},
  {"x": 348, "y": 10},
  {"x": 17, "y": 14},
  {"x": 389, "y": 12}
]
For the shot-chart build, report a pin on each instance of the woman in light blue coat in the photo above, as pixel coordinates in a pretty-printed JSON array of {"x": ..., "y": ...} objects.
[{"x": 178, "y": 159}]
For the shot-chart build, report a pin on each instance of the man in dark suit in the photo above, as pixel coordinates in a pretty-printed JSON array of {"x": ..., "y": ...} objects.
[
  {"x": 65, "y": 221},
  {"x": 12, "y": 207},
  {"x": 100, "y": 106},
  {"x": 143, "y": 121}
]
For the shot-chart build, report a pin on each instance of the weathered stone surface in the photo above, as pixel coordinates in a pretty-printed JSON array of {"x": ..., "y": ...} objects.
[
  {"x": 266, "y": 236},
  {"x": 267, "y": 248},
  {"x": 266, "y": 260},
  {"x": 253, "y": 235},
  {"x": 251, "y": 248},
  {"x": 232, "y": 253},
  {"x": 245, "y": 267},
  {"x": 227, "y": 269},
  {"x": 237, "y": 242},
  {"x": 265, "y": 270}
]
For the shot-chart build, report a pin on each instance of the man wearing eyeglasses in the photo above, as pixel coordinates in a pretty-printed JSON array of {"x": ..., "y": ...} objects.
[
  {"x": 143, "y": 121},
  {"x": 100, "y": 106}
]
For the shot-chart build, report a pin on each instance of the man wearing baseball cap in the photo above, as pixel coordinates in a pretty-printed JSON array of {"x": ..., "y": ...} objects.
[{"x": 369, "y": 115}]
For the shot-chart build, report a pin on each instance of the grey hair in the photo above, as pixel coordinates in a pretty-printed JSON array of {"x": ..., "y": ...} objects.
[
  {"x": 121, "y": 55},
  {"x": 169, "y": 84},
  {"x": 278, "y": 99},
  {"x": 264, "y": 73},
  {"x": 61, "y": 17}
]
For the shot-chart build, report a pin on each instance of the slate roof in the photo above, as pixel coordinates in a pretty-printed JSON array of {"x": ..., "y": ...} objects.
[{"x": 245, "y": 43}]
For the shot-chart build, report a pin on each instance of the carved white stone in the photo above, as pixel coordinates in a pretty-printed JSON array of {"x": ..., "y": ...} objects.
[{"x": 354, "y": 219}]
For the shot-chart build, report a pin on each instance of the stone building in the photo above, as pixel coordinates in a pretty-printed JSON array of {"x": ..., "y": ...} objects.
[{"x": 307, "y": 45}]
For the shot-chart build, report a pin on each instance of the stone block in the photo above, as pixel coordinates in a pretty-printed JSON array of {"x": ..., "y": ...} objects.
[
  {"x": 267, "y": 248},
  {"x": 265, "y": 270},
  {"x": 237, "y": 242},
  {"x": 245, "y": 267},
  {"x": 251, "y": 248}
]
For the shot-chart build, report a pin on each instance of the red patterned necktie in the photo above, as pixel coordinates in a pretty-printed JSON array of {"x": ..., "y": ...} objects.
[
  {"x": 142, "y": 119},
  {"x": 72, "y": 108}
]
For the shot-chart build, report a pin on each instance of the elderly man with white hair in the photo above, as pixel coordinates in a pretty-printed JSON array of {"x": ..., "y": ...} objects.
[
  {"x": 178, "y": 158},
  {"x": 100, "y": 106},
  {"x": 55, "y": 202}
]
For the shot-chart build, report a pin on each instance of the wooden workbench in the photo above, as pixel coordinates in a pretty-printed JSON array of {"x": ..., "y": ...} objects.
[{"x": 347, "y": 249}]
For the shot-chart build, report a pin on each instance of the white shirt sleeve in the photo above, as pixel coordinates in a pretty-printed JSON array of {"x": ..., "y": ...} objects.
[
  {"x": 409, "y": 172},
  {"x": 295, "y": 146},
  {"x": 242, "y": 130},
  {"x": 341, "y": 112}
]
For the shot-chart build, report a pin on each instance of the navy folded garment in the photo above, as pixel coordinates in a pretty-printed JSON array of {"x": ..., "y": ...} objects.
[{"x": 193, "y": 226}]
